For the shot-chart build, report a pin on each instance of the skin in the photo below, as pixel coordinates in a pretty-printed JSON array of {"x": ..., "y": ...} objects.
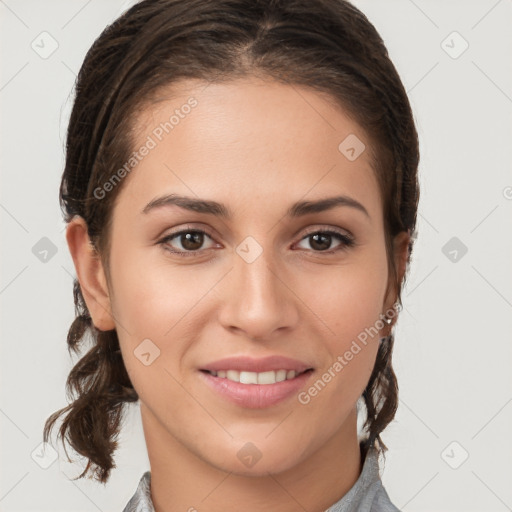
[{"x": 256, "y": 146}]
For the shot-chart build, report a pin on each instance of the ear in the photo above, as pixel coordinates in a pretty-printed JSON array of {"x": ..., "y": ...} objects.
[
  {"x": 401, "y": 255},
  {"x": 90, "y": 273}
]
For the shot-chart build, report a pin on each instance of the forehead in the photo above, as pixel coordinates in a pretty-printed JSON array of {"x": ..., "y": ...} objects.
[{"x": 245, "y": 138}]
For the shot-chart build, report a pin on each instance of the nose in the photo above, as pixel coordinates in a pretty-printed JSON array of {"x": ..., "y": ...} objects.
[{"x": 257, "y": 301}]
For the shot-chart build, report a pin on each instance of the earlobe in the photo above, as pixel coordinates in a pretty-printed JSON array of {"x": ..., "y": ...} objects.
[
  {"x": 401, "y": 244},
  {"x": 401, "y": 254},
  {"x": 90, "y": 273}
]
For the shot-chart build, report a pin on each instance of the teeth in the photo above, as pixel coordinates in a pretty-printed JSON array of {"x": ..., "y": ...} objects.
[
  {"x": 265, "y": 377},
  {"x": 248, "y": 378},
  {"x": 270, "y": 377},
  {"x": 233, "y": 375},
  {"x": 280, "y": 375}
]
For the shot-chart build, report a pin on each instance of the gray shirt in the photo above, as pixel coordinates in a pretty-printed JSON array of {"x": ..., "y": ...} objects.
[{"x": 366, "y": 495}]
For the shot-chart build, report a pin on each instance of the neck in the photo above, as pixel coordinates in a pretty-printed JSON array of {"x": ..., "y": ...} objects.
[{"x": 181, "y": 481}]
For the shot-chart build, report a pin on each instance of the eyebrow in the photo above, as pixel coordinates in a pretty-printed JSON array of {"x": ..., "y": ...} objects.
[{"x": 298, "y": 209}]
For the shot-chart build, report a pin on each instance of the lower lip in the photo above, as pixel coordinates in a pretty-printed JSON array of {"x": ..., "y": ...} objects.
[{"x": 256, "y": 396}]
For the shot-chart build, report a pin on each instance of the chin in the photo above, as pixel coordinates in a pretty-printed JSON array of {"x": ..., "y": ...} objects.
[{"x": 249, "y": 461}]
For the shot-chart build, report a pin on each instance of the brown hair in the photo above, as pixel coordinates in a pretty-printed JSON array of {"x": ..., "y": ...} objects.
[{"x": 328, "y": 46}]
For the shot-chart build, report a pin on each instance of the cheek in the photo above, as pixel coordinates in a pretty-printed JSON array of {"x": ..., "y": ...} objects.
[
  {"x": 349, "y": 302},
  {"x": 150, "y": 294},
  {"x": 152, "y": 309},
  {"x": 350, "y": 313},
  {"x": 161, "y": 303},
  {"x": 349, "y": 299}
]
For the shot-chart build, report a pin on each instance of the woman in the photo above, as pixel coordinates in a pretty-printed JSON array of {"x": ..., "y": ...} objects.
[{"x": 241, "y": 196}]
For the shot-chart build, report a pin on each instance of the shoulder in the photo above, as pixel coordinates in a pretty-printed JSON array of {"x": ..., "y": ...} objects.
[
  {"x": 381, "y": 501},
  {"x": 141, "y": 500},
  {"x": 368, "y": 493}
]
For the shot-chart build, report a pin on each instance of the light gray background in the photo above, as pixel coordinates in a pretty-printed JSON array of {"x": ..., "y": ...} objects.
[{"x": 453, "y": 345}]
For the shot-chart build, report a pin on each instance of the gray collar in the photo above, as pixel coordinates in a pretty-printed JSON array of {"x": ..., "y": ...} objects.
[{"x": 366, "y": 495}]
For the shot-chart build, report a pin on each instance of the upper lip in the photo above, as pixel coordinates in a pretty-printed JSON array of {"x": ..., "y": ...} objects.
[{"x": 263, "y": 364}]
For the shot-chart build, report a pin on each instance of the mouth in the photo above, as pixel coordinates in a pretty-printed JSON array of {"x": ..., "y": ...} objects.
[
  {"x": 256, "y": 390},
  {"x": 256, "y": 383},
  {"x": 265, "y": 378}
]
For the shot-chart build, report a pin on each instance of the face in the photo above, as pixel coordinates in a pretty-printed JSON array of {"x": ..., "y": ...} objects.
[{"x": 201, "y": 299}]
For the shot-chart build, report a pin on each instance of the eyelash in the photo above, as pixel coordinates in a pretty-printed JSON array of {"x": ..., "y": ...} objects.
[{"x": 346, "y": 240}]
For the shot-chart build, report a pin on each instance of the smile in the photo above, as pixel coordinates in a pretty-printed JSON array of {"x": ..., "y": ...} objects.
[
  {"x": 265, "y": 378},
  {"x": 256, "y": 390}
]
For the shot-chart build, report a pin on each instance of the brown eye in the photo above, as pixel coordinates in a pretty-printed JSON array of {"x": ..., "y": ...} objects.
[
  {"x": 321, "y": 241},
  {"x": 190, "y": 240}
]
